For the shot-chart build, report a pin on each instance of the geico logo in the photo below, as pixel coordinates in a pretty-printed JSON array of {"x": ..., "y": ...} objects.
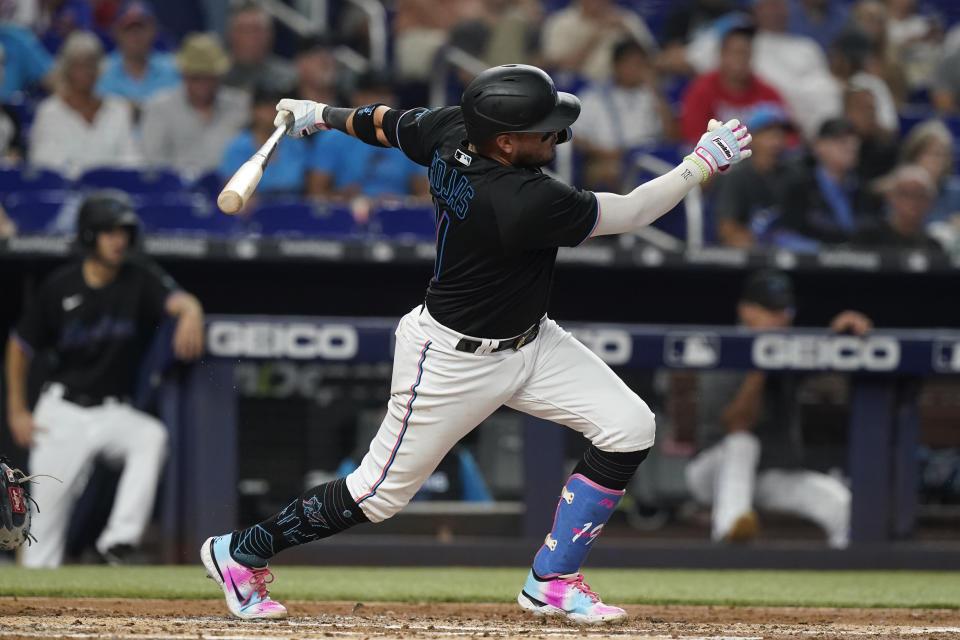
[
  {"x": 612, "y": 345},
  {"x": 841, "y": 353},
  {"x": 276, "y": 340}
]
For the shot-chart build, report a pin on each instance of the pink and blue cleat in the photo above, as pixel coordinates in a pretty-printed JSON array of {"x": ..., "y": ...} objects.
[
  {"x": 244, "y": 587},
  {"x": 567, "y": 596}
]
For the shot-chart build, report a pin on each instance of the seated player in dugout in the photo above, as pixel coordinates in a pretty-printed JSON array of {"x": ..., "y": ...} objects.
[
  {"x": 751, "y": 444},
  {"x": 97, "y": 317},
  {"x": 482, "y": 337}
]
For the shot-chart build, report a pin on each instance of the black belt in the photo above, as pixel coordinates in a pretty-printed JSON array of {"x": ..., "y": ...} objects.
[
  {"x": 471, "y": 346},
  {"x": 89, "y": 400}
]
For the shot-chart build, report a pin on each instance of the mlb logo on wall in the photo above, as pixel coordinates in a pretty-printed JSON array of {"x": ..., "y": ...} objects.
[
  {"x": 691, "y": 349},
  {"x": 946, "y": 355}
]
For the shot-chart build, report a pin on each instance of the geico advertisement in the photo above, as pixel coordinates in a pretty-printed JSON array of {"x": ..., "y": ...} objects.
[
  {"x": 297, "y": 340},
  {"x": 840, "y": 353}
]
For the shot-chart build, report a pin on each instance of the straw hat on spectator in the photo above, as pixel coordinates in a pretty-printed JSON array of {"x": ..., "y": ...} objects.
[{"x": 201, "y": 54}]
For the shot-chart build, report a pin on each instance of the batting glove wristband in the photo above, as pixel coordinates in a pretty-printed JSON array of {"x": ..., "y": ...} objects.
[
  {"x": 720, "y": 147},
  {"x": 307, "y": 117}
]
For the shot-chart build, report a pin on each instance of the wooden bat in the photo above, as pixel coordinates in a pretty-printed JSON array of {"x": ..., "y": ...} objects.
[{"x": 241, "y": 185}]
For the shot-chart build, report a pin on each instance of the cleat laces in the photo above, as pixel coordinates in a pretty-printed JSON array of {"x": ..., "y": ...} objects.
[
  {"x": 576, "y": 582},
  {"x": 260, "y": 579}
]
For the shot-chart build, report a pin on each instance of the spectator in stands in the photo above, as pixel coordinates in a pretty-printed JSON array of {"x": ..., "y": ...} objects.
[
  {"x": 250, "y": 40},
  {"x": 288, "y": 166},
  {"x": 869, "y": 17},
  {"x": 7, "y": 226},
  {"x": 850, "y": 55},
  {"x": 732, "y": 90},
  {"x": 909, "y": 193},
  {"x": 505, "y": 32},
  {"x": 26, "y": 62},
  {"x": 421, "y": 27},
  {"x": 188, "y": 127},
  {"x": 11, "y": 138},
  {"x": 684, "y": 21},
  {"x": 77, "y": 129},
  {"x": 931, "y": 146},
  {"x": 915, "y": 40},
  {"x": 795, "y": 65},
  {"x": 58, "y": 19},
  {"x": 344, "y": 167},
  {"x": 620, "y": 115},
  {"x": 945, "y": 84},
  {"x": 580, "y": 38},
  {"x": 751, "y": 448},
  {"x": 318, "y": 71},
  {"x": 822, "y": 198},
  {"x": 821, "y": 20},
  {"x": 879, "y": 147},
  {"x": 136, "y": 70},
  {"x": 747, "y": 202}
]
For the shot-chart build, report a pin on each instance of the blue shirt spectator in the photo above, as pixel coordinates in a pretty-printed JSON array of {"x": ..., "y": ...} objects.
[
  {"x": 135, "y": 70},
  {"x": 26, "y": 61},
  {"x": 355, "y": 167},
  {"x": 821, "y": 20},
  {"x": 286, "y": 173}
]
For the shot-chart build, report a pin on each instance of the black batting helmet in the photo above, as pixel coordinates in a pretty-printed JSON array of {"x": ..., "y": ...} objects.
[
  {"x": 516, "y": 98},
  {"x": 102, "y": 210}
]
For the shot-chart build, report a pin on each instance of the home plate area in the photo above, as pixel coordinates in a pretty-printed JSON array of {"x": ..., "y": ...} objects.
[{"x": 130, "y": 619}]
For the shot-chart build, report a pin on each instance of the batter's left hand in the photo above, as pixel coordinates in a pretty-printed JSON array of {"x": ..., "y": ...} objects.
[
  {"x": 188, "y": 337},
  {"x": 852, "y": 322},
  {"x": 722, "y": 146}
]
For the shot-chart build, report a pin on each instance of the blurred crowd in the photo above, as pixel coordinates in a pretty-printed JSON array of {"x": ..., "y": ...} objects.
[{"x": 853, "y": 105}]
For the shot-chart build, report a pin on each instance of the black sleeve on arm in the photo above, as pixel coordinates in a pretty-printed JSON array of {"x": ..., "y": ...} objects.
[
  {"x": 157, "y": 287},
  {"x": 417, "y": 131},
  {"x": 336, "y": 117}
]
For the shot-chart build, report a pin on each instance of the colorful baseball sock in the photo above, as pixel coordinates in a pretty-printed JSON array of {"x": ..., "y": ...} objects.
[
  {"x": 319, "y": 512},
  {"x": 586, "y": 503}
]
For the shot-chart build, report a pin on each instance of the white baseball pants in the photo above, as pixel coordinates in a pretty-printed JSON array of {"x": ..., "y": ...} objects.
[
  {"x": 71, "y": 438},
  {"x": 726, "y": 476},
  {"x": 438, "y": 395}
]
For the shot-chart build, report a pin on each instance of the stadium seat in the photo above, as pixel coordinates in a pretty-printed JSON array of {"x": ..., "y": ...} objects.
[
  {"x": 35, "y": 211},
  {"x": 16, "y": 179},
  {"x": 301, "y": 218},
  {"x": 182, "y": 216},
  {"x": 132, "y": 180},
  {"x": 415, "y": 223}
]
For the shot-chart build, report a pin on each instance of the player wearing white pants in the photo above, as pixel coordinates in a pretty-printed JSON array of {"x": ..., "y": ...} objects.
[
  {"x": 753, "y": 448},
  {"x": 726, "y": 477},
  {"x": 71, "y": 439},
  {"x": 482, "y": 338},
  {"x": 438, "y": 395},
  {"x": 97, "y": 316}
]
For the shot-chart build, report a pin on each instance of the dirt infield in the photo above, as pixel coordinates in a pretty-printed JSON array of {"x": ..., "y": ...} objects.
[{"x": 182, "y": 619}]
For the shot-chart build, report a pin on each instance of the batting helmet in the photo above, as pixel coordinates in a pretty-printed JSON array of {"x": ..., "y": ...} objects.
[
  {"x": 516, "y": 98},
  {"x": 102, "y": 210}
]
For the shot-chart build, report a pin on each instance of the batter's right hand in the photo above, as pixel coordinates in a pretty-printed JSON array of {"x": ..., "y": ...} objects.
[
  {"x": 23, "y": 428},
  {"x": 307, "y": 116}
]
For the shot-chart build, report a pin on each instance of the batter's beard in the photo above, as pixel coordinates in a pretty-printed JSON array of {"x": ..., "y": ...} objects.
[{"x": 536, "y": 160}]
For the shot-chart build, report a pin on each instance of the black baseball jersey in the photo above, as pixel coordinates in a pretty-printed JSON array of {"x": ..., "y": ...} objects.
[
  {"x": 99, "y": 336},
  {"x": 498, "y": 227}
]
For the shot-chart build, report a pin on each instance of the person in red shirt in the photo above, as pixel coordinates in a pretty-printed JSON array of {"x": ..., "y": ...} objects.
[{"x": 731, "y": 89}]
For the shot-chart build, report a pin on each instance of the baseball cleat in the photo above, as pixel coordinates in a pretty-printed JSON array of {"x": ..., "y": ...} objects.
[
  {"x": 743, "y": 528},
  {"x": 568, "y": 596},
  {"x": 244, "y": 587}
]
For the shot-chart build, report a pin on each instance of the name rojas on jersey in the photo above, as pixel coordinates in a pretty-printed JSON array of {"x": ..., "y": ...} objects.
[{"x": 450, "y": 186}]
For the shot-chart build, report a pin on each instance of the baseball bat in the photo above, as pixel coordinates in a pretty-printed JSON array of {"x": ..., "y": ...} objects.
[{"x": 241, "y": 185}]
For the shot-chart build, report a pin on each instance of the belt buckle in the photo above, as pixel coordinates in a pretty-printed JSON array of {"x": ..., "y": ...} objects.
[{"x": 525, "y": 337}]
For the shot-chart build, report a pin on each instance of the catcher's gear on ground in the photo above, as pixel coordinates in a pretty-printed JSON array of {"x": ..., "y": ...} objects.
[{"x": 15, "y": 509}]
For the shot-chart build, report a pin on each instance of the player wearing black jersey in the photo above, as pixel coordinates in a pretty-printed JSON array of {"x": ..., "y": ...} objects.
[
  {"x": 97, "y": 316},
  {"x": 482, "y": 338}
]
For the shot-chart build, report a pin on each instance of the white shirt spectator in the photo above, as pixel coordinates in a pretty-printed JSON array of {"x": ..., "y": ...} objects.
[
  {"x": 613, "y": 117},
  {"x": 62, "y": 140},
  {"x": 567, "y": 30},
  {"x": 177, "y": 136}
]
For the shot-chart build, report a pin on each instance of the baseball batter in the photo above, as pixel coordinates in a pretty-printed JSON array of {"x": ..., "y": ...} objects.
[
  {"x": 98, "y": 316},
  {"x": 482, "y": 338}
]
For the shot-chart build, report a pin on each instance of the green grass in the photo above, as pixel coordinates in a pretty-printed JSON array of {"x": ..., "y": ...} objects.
[{"x": 909, "y": 589}]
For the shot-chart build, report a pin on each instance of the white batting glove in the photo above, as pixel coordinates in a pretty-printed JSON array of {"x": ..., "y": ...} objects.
[
  {"x": 722, "y": 146},
  {"x": 307, "y": 116}
]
